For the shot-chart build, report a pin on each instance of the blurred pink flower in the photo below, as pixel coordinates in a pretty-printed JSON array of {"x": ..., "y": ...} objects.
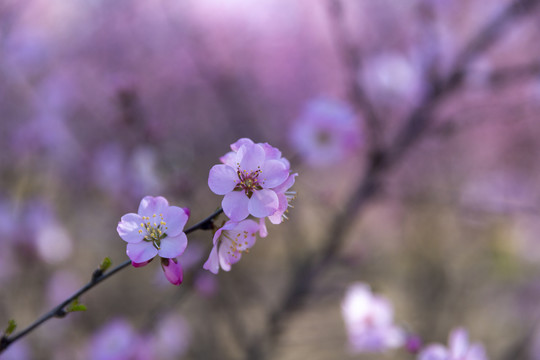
[
  {"x": 155, "y": 230},
  {"x": 458, "y": 349},
  {"x": 53, "y": 243},
  {"x": 369, "y": 321},
  {"x": 247, "y": 178},
  {"x": 115, "y": 341},
  {"x": 326, "y": 132},
  {"x": 171, "y": 337},
  {"x": 118, "y": 172},
  {"x": 230, "y": 241},
  {"x": 392, "y": 79}
]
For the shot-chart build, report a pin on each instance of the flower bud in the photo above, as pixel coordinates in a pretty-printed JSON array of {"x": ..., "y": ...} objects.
[{"x": 173, "y": 270}]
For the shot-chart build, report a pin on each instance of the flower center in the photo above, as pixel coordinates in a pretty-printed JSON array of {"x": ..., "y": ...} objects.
[
  {"x": 155, "y": 229},
  {"x": 248, "y": 181},
  {"x": 237, "y": 242},
  {"x": 323, "y": 137}
]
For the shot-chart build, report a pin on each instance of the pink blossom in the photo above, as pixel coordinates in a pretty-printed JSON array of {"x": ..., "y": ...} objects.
[
  {"x": 155, "y": 230},
  {"x": 326, "y": 132},
  {"x": 392, "y": 78},
  {"x": 172, "y": 270},
  {"x": 247, "y": 178},
  {"x": 369, "y": 321},
  {"x": 171, "y": 337},
  {"x": 284, "y": 196},
  {"x": 53, "y": 243},
  {"x": 115, "y": 341},
  {"x": 458, "y": 349},
  {"x": 230, "y": 241}
]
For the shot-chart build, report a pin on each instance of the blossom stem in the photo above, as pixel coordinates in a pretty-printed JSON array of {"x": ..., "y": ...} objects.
[{"x": 98, "y": 276}]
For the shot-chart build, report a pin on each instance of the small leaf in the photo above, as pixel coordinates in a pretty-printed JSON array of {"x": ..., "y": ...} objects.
[
  {"x": 105, "y": 264},
  {"x": 12, "y": 325},
  {"x": 75, "y": 306},
  {"x": 79, "y": 307}
]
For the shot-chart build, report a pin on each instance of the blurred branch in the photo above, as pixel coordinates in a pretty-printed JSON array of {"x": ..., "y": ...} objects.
[
  {"x": 451, "y": 126},
  {"x": 98, "y": 276},
  {"x": 352, "y": 61},
  {"x": 508, "y": 75},
  {"x": 312, "y": 265},
  {"x": 419, "y": 120},
  {"x": 498, "y": 78}
]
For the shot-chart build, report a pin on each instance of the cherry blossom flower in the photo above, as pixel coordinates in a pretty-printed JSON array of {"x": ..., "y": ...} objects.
[
  {"x": 230, "y": 241},
  {"x": 458, "y": 349},
  {"x": 326, "y": 132},
  {"x": 247, "y": 178},
  {"x": 369, "y": 321},
  {"x": 155, "y": 230}
]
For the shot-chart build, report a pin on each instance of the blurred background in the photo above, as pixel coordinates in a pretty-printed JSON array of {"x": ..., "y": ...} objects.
[{"x": 104, "y": 102}]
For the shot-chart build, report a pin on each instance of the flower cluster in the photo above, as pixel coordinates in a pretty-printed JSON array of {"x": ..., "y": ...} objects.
[
  {"x": 255, "y": 180},
  {"x": 369, "y": 321}
]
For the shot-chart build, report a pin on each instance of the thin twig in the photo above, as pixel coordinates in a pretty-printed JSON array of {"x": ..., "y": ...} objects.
[{"x": 97, "y": 277}]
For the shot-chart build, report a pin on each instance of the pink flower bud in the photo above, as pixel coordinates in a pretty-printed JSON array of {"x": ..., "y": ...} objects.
[
  {"x": 413, "y": 344},
  {"x": 172, "y": 270}
]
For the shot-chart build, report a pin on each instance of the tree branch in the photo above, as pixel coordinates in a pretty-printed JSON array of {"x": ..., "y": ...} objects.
[
  {"x": 414, "y": 128},
  {"x": 98, "y": 276}
]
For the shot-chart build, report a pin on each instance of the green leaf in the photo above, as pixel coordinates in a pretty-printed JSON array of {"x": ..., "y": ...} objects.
[
  {"x": 75, "y": 306},
  {"x": 12, "y": 325},
  {"x": 79, "y": 307},
  {"x": 105, "y": 264}
]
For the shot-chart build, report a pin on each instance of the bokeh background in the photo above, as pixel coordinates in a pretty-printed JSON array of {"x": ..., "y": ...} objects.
[{"x": 104, "y": 102}]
